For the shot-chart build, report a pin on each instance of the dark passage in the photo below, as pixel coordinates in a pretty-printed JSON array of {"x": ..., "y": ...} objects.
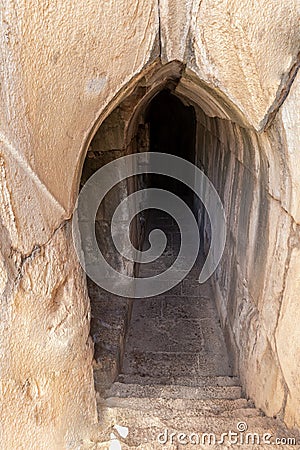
[
  {"x": 172, "y": 130},
  {"x": 176, "y": 335}
]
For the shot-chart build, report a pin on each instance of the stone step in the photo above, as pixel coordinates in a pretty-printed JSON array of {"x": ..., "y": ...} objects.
[
  {"x": 145, "y": 429},
  {"x": 166, "y": 408},
  {"x": 176, "y": 364},
  {"x": 124, "y": 416},
  {"x": 147, "y": 412},
  {"x": 173, "y": 391},
  {"x": 180, "y": 381}
]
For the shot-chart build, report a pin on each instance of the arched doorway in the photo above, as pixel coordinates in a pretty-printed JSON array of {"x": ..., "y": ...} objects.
[
  {"x": 174, "y": 337},
  {"x": 167, "y": 124},
  {"x": 234, "y": 158}
]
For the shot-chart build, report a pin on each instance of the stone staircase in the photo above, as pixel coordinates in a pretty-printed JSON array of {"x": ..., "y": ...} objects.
[
  {"x": 177, "y": 389},
  {"x": 141, "y": 413}
]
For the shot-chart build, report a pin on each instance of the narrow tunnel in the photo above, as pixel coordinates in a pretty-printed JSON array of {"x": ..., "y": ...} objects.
[
  {"x": 172, "y": 128},
  {"x": 176, "y": 335},
  {"x": 192, "y": 331}
]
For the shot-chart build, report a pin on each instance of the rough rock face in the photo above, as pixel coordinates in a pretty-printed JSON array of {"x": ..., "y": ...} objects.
[
  {"x": 250, "y": 280},
  {"x": 64, "y": 68},
  {"x": 46, "y": 363},
  {"x": 241, "y": 48}
]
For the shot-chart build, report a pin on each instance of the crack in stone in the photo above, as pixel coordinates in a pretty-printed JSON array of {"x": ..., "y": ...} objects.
[
  {"x": 36, "y": 249},
  {"x": 282, "y": 93},
  {"x": 287, "y": 264},
  {"x": 278, "y": 200},
  {"x": 26, "y": 167},
  {"x": 159, "y": 30}
]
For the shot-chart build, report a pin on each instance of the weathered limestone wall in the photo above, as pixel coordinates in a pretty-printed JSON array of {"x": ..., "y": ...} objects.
[
  {"x": 253, "y": 283},
  {"x": 245, "y": 49},
  {"x": 61, "y": 65},
  {"x": 287, "y": 332},
  {"x": 64, "y": 68},
  {"x": 110, "y": 314},
  {"x": 46, "y": 353}
]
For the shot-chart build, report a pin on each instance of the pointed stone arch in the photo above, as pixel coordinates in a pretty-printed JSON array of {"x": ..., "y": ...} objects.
[{"x": 236, "y": 158}]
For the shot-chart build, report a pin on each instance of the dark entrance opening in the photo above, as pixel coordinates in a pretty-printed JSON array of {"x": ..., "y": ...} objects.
[
  {"x": 175, "y": 336},
  {"x": 172, "y": 128}
]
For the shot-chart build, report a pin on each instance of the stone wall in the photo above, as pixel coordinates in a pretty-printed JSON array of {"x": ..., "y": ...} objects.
[
  {"x": 48, "y": 397},
  {"x": 110, "y": 313},
  {"x": 250, "y": 172}
]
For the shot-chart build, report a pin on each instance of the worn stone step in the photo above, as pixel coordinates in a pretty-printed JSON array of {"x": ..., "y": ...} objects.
[
  {"x": 190, "y": 422},
  {"x": 145, "y": 429},
  {"x": 166, "y": 408},
  {"x": 175, "y": 364},
  {"x": 173, "y": 391},
  {"x": 180, "y": 381}
]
